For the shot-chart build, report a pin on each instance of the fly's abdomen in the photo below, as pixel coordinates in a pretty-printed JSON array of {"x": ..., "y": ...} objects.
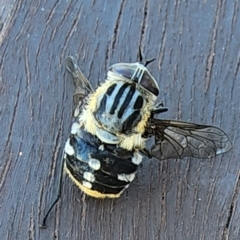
[
  {"x": 99, "y": 173},
  {"x": 119, "y": 109}
]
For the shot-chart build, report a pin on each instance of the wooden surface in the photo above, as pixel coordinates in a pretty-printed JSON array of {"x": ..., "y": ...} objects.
[{"x": 197, "y": 45}]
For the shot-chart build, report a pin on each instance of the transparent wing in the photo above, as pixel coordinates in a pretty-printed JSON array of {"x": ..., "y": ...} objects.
[
  {"x": 174, "y": 139},
  {"x": 82, "y": 85}
]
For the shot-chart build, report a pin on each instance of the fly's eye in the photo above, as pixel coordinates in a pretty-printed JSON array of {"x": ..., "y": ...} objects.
[
  {"x": 149, "y": 84},
  {"x": 123, "y": 70},
  {"x": 138, "y": 73}
]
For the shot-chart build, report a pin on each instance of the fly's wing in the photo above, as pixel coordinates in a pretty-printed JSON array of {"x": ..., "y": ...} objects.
[
  {"x": 82, "y": 85},
  {"x": 174, "y": 139}
]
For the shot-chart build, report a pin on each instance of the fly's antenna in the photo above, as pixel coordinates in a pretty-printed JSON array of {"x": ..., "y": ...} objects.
[
  {"x": 140, "y": 55},
  {"x": 141, "y": 58},
  {"x": 149, "y": 61}
]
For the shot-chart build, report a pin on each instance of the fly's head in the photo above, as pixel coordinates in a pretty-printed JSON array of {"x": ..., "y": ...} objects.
[{"x": 138, "y": 74}]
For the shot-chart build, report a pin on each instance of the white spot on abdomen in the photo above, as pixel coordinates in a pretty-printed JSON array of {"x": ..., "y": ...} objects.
[
  {"x": 126, "y": 177},
  {"x": 101, "y": 147},
  {"x": 137, "y": 159},
  {"x": 94, "y": 164},
  {"x": 89, "y": 176},
  {"x": 68, "y": 148},
  {"x": 87, "y": 184},
  {"x": 75, "y": 127}
]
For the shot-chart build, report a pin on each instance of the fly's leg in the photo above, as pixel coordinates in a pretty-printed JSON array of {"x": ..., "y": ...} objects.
[
  {"x": 159, "y": 108},
  {"x": 43, "y": 225}
]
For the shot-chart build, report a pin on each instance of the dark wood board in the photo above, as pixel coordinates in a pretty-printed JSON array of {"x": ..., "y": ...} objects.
[{"x": 198, "y": 59}]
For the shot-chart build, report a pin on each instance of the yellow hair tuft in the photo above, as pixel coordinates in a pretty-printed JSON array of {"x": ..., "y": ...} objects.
[{"x": 132, "y": 142}]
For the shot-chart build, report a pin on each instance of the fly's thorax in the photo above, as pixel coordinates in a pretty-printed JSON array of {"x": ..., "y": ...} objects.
[
  {"x": 118, "y": 112},
  {"x": 120, "y": 108}
]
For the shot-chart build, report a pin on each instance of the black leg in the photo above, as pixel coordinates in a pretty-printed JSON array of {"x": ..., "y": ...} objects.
[
  {"x": 43, "y": 225},
  {"x": 159, "y": 108}
]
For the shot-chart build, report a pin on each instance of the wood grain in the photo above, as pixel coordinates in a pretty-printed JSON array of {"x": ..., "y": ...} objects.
[{"x": 198, "y": 59}]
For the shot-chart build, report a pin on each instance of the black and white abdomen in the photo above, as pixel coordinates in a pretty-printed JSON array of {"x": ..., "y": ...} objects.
[
  {"x": 98, "y": 170},
  {"x": 119, "y": 109}
]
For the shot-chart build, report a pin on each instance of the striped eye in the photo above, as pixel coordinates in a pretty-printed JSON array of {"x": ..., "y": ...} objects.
[
  {"x": 138, "y": 73},
  {"x": 148, "y": 83},
  {"x": 124, "y": 70}
]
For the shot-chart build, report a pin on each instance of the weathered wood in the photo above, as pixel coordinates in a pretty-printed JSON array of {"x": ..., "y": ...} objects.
[{"x": 197, "y": 48}]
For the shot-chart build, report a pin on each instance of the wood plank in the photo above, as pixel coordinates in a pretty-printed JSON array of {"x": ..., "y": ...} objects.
[{"x": 197, "y": 48}]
